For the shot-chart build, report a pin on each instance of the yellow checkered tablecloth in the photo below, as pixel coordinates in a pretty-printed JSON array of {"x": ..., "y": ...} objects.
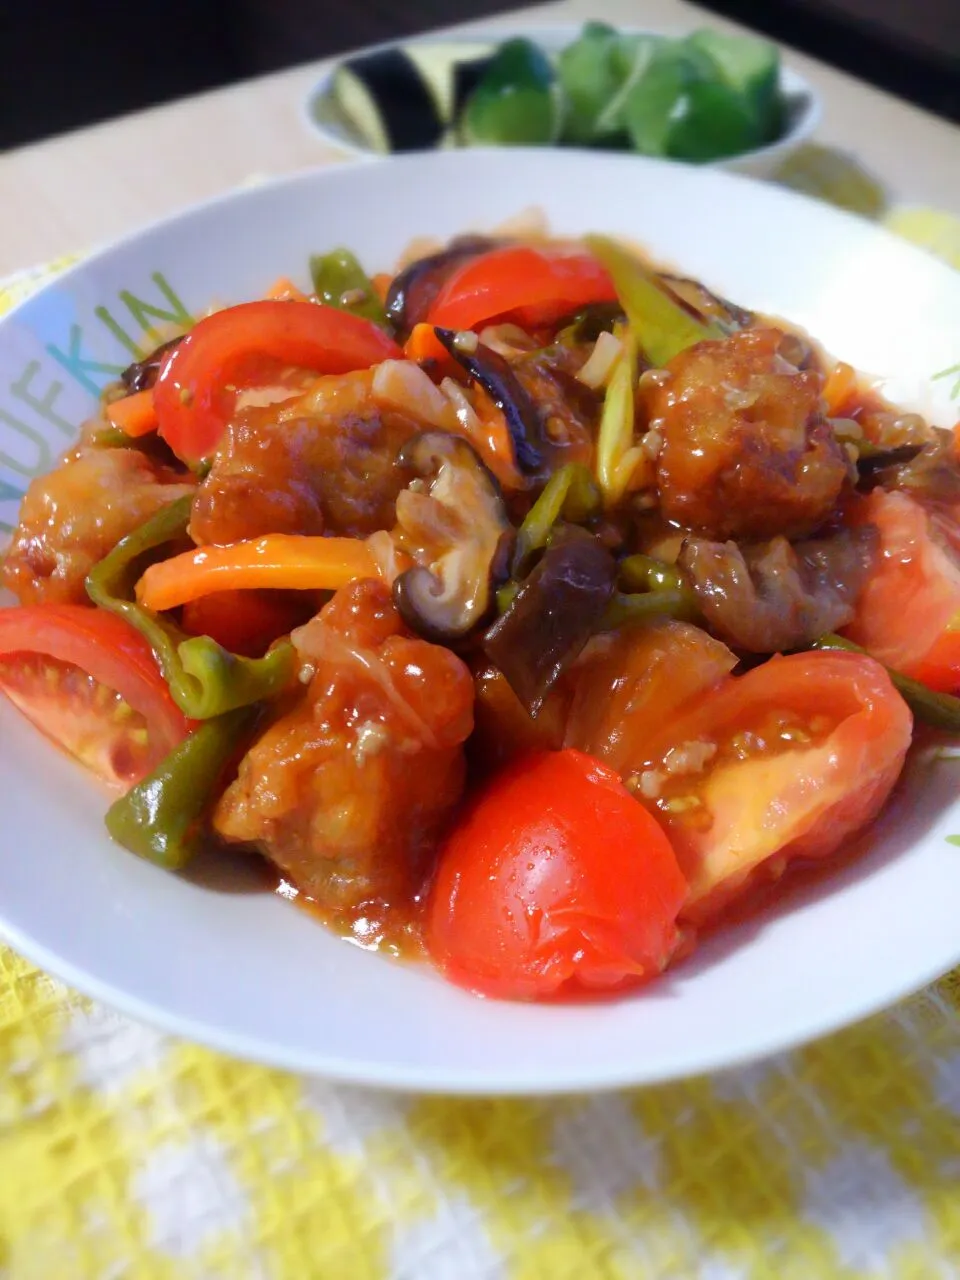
[{"x": 125, "y": 1153}]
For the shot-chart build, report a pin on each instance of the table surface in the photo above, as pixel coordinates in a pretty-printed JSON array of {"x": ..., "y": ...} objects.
[{"x": 84, "y": 188}]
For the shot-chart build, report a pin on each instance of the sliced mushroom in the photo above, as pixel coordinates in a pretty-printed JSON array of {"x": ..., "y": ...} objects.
[
  {"x": 453, "y": 522},
  {"x": 774, "y": 596}
]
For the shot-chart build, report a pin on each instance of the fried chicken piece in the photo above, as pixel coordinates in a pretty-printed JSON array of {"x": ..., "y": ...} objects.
[
  {"x": 746, "y": 451},
  {"x": 73, "y": 516},
  {"x": 324, "y": 462},
  {"x": 349, "y": 790}
]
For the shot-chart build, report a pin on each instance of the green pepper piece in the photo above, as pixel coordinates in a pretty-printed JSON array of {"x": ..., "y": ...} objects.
[
  {"x": 644, "y": 573},
  {"x": 661, "y": 326},
  {"x": 587, "y": 324},
  {"x": 940, "y": 710},
  {"x": 341, "y": 282},
  {"x": 159, "y": 819},
  {"x": 570, "y": 492},
  {"x": 643, "y": 606},
  {"x": 204, "y": 679}
]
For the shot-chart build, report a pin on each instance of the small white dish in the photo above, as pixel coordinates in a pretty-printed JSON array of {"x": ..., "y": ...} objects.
[
  {"x": 215, "y": 957},
  {"x": 803, "y": 110}
]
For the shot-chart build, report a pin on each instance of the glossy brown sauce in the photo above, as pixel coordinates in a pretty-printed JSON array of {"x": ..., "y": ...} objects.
[{"x": 395, "y": 929}]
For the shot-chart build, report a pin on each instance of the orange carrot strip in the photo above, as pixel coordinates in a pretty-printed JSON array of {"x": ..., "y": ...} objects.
[
  {"x": 381, "y": 284},
  {"x": 840, "y": 385},
  {"x": 278, "y": 560},
  {"x": 134, "y": 415},
  {"x": 493, "y": 441},
  {"x": 423, "y": 344},
  {"x": 284, "y": 290}
]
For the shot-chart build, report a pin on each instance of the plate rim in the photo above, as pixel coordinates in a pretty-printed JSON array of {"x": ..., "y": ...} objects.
[{"x": 418, "y": 1079}]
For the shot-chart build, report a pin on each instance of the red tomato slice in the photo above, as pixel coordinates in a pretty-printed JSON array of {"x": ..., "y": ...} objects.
[
  {"x": 245, "y": 622},
  {"x": 199, "y": 380},
  {"x": 554, "y": 878},
  {"x": 906, "y": 611},
  {"x": 90, "y": 682},
  {"x": 787, "y": 761},
  {"x": 544, "y": 284}
]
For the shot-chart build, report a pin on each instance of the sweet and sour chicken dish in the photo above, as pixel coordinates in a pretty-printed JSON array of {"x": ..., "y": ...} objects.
[{"x": 528, "y": 609}]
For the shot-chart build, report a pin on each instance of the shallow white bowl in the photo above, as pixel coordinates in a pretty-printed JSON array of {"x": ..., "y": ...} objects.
[
  {"x": 803, "y": 111},
  {"x": 211, "y": 955}
]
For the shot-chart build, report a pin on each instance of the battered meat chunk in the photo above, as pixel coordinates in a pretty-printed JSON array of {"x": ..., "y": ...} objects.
[
  {"x": 746, "y": 450},
  {"x": 349, "y": 790},
  {"x": 72, "y": 517},
  {"x": 324, "y": 462}
]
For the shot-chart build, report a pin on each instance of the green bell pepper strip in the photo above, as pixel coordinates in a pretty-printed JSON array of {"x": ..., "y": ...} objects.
[
  {"x": 644, "y": 573},
  {"x": 571, "y": 493},
  {"x": 341, "y": 282},
  {"x": 940, "y": 710},
  {"x": 643, "y": 606},
  {"x": 205, "y": 680},
  {"x": 662, "y": 327},
  {"x": 160, "y": 819}
]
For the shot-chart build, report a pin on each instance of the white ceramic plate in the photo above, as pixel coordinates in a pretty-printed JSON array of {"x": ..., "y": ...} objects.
[
  {"x": 323, "y": 112},
  {"x": 214, "y": 957}
]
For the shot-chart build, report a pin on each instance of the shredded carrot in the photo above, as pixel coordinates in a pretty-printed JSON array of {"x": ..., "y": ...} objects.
[
  {"x": 423, "y": 344},
  {"x": 284, "y": 290},
  {"x": 493, "y": 441},
  {"x": 134, "y": 415},
  {"x": 381, "y": 284},
  {"x": 278, "y": 560},
  {"x": 840, "y": 385}
]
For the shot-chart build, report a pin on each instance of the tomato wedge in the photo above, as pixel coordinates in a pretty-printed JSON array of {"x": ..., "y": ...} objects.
[
  {"x": 555, "y": 878},
  {"x": 246, "y": 622},
  {"x": 787, "y": 761},
  {"x": 90, "y": 682},
  {"x": 638, "y": 680},
  {"x": 532, "y": 286},
  {"x": 908, "y": 611},
  {"x": 199, "y": 380}
]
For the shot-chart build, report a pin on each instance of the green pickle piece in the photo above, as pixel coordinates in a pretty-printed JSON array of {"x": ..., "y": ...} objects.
[
  {"x": 589, "y": 76},
  {"x": 751, "y": 67},
  {"x": 517, "y": 102},
  {"x": 684, "y": 109}
]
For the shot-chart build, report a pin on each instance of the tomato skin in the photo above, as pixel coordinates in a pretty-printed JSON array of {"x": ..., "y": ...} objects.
[
  {"x": 554, "y": 878},
  {"x": 906, "y": 609},
  {"x": 245, "y": 622},
  {"x": 106, "y": 648},
  {"x": 199, "y": 379},
  {"x": 801, "y": 802},
  {"x": 532, "y": 286}
]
